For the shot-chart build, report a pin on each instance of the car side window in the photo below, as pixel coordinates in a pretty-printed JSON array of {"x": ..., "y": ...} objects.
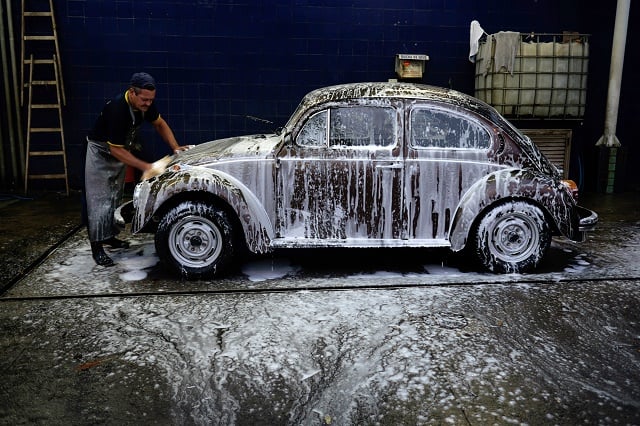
[
  {"x": 314, "y": 132},
  {"x": 362, "y": 126},
  {"x": 435, "y": 128}
]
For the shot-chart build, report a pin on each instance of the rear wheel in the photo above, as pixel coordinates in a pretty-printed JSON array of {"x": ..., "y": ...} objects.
[
  {"x": 194, "y": 240},
  {"x": 512, "y": 237}
]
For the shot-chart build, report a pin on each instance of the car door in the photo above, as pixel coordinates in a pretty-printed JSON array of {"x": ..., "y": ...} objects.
[
  {"x": 447, "y": 152},
  {"x": 339, "y": 180}
]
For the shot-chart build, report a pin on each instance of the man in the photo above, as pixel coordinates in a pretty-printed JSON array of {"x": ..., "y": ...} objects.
[{"x": 109, "y": 146}]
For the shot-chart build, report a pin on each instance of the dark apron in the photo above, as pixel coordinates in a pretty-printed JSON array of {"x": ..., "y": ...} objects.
[{"x": 104, "y": 185}]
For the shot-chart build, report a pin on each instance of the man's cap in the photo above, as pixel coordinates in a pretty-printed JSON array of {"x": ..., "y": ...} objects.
[{"x": 142, "y": 80}]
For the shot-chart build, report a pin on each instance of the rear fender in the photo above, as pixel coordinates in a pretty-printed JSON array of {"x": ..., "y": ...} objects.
[
  {"x": 550, "y": 195},
  {"x": 152, "y": 195}
]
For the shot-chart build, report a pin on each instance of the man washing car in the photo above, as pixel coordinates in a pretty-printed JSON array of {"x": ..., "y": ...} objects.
[{"x": 109, "y": 146}]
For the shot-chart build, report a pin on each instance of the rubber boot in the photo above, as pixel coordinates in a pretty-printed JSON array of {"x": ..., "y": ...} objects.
[
  {"x": 100, "y": 256},
  {"x": 113, "y": 242}
]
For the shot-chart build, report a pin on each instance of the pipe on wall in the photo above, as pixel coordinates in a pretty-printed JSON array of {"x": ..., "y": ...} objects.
[
  {"x": 11, "y": 150},
  {"x": 609, "y": 138},
  {"x": 7, "y": 91},
  {"x": 16, "y": 89}
]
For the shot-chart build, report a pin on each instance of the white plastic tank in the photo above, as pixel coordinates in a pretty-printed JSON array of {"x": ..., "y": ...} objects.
[{"x": 548, "y": 79}]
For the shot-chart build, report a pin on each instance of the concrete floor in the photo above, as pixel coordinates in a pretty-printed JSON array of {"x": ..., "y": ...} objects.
[{"x": 30, "y": 225}]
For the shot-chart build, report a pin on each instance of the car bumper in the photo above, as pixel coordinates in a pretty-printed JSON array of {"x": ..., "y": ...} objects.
[
  {"x": 587, "y": 221},
  {"x": 124, "y": 213}
]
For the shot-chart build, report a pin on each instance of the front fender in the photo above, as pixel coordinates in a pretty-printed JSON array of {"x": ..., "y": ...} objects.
[
  {"x": 549, "y": 194},
  {"x": 150, "y": 196}
]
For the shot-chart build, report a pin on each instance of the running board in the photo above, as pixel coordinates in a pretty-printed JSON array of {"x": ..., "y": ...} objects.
[{"x": 357, "y": 243}]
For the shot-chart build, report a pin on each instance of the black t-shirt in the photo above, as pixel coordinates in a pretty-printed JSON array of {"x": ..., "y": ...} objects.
[{"x": 118, "y": 123}]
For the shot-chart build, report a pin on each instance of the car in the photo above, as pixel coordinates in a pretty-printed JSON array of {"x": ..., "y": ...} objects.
[{"x": 372, "y": 164}]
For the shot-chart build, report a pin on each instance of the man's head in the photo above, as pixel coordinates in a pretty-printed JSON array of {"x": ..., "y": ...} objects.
[{"x": 142, "y": 91}]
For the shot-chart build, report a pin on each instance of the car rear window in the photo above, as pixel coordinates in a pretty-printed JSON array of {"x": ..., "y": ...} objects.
[{"x": 436, "y": 128}]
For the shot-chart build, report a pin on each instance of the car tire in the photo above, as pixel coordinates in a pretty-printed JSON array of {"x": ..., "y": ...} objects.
[
  {"x": 195, "y": 240},
  {"x": 512, "y": 237}
]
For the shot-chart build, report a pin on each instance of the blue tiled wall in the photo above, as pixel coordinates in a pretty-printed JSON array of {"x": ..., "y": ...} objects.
[{"x": 219, "y": 61}]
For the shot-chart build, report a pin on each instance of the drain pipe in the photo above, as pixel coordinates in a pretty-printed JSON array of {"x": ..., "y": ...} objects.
[
  {"x": 7, "y": 98},
  {"x": 16, "y": 90},
  {"x": 609, "y": 138}
]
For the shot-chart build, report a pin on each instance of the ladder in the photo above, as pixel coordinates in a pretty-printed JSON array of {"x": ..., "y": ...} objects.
[
  {"x": 45, "y": 131},
  {"x": 48, "y": 33}
]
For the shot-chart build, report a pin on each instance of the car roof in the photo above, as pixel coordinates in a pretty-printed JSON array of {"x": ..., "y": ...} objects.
[{"x": 390, "y": 90}]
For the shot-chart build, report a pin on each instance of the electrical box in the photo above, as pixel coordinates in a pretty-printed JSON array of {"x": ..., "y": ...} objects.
[{"x": 410, "y": 66}]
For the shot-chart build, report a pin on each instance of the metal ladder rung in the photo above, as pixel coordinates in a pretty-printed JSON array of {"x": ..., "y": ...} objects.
[
  {"x": 43, "y": 83},
  {"x": 39, "y": 61},
  {"x": 40, "y": 38},
  {"x": 54, "y": 176},
  {"x": 45, "y": 153},
  {"x": 45, "y": 106},
  {"x": 45, "y": 129},
  {"x": 41, "y": 13}
]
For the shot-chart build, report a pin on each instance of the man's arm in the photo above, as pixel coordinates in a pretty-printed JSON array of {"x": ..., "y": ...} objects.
[
  {"x": 166, "y": 134},
  {"x": 128, "y": 158}
]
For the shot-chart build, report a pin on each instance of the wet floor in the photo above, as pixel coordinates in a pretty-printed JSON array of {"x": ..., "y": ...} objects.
[
  {"x": 517, "y": 354},
  {"x": 30, "y": 225},
  {"x": 371, "y": 341}
]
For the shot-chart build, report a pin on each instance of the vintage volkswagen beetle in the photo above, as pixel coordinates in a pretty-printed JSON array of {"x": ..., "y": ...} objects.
[{"x": 364, "y": 165}]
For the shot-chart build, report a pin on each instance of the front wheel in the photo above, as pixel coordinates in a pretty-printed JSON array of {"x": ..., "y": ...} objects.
[
  {"x": 512, "y": 237},
  {"x": 194, "y": 240}
]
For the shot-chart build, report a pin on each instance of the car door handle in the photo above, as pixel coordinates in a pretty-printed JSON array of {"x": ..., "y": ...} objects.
[{"x": 389, "y": 166}]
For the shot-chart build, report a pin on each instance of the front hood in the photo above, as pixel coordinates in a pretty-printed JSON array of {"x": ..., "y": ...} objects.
[{"x": 230, "y": 149}]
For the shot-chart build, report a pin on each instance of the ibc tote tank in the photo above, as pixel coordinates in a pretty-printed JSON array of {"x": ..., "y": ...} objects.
[{"x": 548, "y": 80}]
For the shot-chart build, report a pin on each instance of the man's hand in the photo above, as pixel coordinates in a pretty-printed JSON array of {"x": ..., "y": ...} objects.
[
  {"x": 157, "y": 168},
  {"x": 182, "y": 148}
]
